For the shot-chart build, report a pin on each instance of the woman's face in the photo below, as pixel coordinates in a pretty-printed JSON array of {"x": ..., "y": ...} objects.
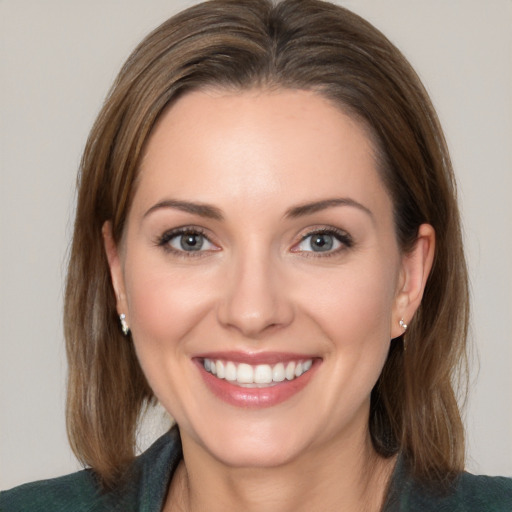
[{"x": 260, "y": 246}]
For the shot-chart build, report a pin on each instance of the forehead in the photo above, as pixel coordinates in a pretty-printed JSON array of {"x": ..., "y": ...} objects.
[{"x": 255, "y": 145}]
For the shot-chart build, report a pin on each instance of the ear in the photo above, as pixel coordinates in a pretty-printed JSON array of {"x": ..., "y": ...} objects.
[
  {"x": 116, "y": 270},
  {"x": 416, "y": 266}
]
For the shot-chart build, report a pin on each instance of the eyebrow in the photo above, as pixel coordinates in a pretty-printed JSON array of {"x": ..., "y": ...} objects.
[
  {"x": 316, "y": 206},
  {"x": 212, "y": 212},
  {"x": 203, "y": 210}
]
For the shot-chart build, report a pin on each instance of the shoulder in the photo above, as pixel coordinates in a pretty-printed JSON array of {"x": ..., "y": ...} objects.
[
  {"x": 484, "y": 493},
  {"x": 467, "y": 493},
  {"x": 58, "y": 494},
  {"x": 145, "y": 487}
]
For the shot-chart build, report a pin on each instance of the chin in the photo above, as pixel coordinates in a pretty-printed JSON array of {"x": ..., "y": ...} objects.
[{"x": 251, "y": 442}]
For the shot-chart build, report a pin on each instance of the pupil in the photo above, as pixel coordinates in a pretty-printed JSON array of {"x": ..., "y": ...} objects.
[
  {"x": 191, "y": 242},
  {"x": 322, "y": 242}
]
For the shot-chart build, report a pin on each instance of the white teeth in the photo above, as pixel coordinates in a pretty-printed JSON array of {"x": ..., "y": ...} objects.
[
  {"x": 263, "y": 374},
  {"x": 278, "y": 373},
  {"x": 290, "y": 371},
  {"x": 221, "y": 371},
  {"x": 258, "y": 375},
  {"x": 245, "y": 374},
  {"x": 230, "y": 371}
]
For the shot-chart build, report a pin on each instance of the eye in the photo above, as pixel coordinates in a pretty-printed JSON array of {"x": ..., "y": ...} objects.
[
  {"x": 324, "y": 241},
  {"x": 186, "y": 240}
]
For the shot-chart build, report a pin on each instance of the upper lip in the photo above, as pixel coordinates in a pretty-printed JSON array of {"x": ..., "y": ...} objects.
[{"x": 255, "y": 358}]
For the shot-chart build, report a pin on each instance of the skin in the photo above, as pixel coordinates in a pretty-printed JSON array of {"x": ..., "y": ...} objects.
[{"x": 257, "y": 286}]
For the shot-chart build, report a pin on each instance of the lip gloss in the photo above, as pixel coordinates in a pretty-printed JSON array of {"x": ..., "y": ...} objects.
[{"x": 255, "y": 397}]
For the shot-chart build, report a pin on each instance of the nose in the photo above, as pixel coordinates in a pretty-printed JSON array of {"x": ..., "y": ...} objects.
[{"x": 255, "y": 300}]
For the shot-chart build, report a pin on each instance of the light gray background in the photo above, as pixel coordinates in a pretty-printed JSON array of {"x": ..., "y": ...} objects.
[{"x": 58, "y": 60}]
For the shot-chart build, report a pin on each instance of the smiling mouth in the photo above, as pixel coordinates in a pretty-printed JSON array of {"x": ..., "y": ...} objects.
[{"x": 256, "y": 376}]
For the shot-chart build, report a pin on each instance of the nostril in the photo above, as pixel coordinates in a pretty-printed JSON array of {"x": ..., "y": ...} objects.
[{"x": 253, "y": 323}]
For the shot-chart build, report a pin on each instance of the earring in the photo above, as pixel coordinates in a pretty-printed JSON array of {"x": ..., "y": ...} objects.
[
  {"x": 402, "y": 324},
  {"x": 124, "y": 324}
]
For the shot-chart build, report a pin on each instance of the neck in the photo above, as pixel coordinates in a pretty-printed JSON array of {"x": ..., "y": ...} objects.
[{"x": 351, "y": 478}]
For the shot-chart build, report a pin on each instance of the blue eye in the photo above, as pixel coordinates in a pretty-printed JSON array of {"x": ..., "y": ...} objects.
[
  {"x": 188, "y": 240},
  {"x": 324, "y": 242}
]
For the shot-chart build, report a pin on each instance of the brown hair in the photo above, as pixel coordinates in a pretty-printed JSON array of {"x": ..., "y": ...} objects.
[{"x": 297, "y": 44}]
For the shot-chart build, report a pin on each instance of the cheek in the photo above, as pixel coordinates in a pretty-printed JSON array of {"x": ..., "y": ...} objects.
[
  {"x": 165, "y": 307},
  {"x": 165, "y": 304},
  {"x": 354, "y": 305},
  {"x": 354, "y": 312}
]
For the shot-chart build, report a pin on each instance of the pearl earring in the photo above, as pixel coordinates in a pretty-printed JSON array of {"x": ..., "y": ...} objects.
[
  {"x": 402, "y": 324},
  {"x": 124, "y": 324}
]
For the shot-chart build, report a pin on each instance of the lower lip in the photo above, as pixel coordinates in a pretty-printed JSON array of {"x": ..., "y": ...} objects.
[{"x": 256, "y": 397}]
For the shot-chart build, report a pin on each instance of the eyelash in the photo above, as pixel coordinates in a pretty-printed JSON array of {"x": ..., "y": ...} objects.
[
  {"x": 341, "y": 236},
  {"x": 165, "y": 238}
]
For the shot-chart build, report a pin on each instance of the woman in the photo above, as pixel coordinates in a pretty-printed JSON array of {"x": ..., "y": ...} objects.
[{"x": 267, "y": 241}]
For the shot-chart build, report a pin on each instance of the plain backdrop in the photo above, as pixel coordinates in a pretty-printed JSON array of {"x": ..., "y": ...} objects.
[{"x": 58, "y": 59}]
